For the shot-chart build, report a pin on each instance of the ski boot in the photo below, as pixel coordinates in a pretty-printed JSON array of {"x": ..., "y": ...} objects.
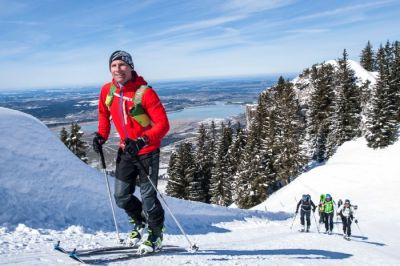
[
  {"x": 153, "y": 242},
  {"x": 308, "y": 229},
  {"x": 329, "y": 232},
  {"x": 302, "y": 229},
  {"x": 136, "y": 234}
]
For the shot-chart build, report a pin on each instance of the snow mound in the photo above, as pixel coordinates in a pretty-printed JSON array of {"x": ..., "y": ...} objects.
[
  {"x": 361, "y": 73},
  {"x": 44, "y": 185}
]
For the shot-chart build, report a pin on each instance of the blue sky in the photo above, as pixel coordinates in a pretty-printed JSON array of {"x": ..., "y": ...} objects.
[{"x": 49, "y": 43}]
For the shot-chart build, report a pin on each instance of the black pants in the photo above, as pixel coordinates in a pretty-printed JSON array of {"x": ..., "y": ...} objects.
[
  {"x": 130, "y": 168},
  {"x": 306, "y": 215},
  {"x": 321, "y": 217},
  {"x": 346, "y": 225},
  {"x": 328, "y": 221}
]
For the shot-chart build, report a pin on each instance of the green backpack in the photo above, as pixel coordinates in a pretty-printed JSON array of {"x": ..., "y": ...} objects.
[
  {"x": 328, "y": 206},
  {"x": 137, "y": 111}
]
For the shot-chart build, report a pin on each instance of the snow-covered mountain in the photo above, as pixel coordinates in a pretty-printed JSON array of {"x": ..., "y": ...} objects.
[{"x": 302, "y": 83}]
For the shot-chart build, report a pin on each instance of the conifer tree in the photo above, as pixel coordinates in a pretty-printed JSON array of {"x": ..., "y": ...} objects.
[
  {"x": 203, "y": 161},
  {"x": 268, "y": 150},
  {"x": 321, "y": 110},
  {"x": 196, "y": 188},
  {"x": 64, "y": 137},
  {"x": 234, "y": 157},
  {"x": 382, "y": 121},
  {"x": 255, "y": 175},
  {"x": 290, "y": 157},
  {"x": 221, "y": 181},
  {"x": 210, "y": 146},
  {"x": 395, "y": 78},
  {"x": 248, "y": 171},
  {"x": 367, "y": 60},
  {"x": 182, "y": 173},
  {"x": 348, "y": 103},
  {"x": 176, "y": 184},
  {"x": 77, "y": 145}
]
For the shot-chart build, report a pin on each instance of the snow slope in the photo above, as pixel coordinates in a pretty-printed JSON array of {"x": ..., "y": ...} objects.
[
  {"x": 369, "y": 178},
  {"x": 48, "y": 195},
  {"x": 303, "y": 87}
]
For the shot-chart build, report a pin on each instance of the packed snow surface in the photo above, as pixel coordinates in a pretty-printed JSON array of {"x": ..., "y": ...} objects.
[{"x": 48, "y": 195}]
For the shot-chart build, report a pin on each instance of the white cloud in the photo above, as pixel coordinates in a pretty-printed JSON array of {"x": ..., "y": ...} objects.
[
  {"x": 251, "y": 6},
  {"x": 345, "y": 10},
  {"x": 199, "y": 25}
]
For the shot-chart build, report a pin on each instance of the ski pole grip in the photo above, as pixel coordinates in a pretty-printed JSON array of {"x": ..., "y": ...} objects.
[{"x": 103, "y": 161}]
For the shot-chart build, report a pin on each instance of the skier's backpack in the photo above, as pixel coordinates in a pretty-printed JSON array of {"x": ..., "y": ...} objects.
[
  {"x": 306, "y": 198},
  {"x": 137, "y": 112}
]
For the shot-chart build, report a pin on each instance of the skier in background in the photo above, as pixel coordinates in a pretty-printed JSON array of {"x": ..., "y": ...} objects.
[
  {"x": 347, "y": 213},
  {"x": 141, "y": 122},
  {"x": 306, "y": 204},
  {"x": 321, "y": 209},
  {"x": 328, "y": 210}
]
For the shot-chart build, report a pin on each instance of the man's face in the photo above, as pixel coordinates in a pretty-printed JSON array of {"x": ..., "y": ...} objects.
[{"x": 120, "y": 71}]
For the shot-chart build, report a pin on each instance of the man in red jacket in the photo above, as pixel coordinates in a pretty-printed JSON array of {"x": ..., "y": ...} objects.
[{"x": 141, "y": 122}]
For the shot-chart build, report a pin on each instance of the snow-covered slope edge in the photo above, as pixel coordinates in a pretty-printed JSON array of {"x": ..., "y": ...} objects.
[
  {"x": 303, "y": 87},
  {"x": 369, "y": 178},
  {"x": 43, "y": 185}
]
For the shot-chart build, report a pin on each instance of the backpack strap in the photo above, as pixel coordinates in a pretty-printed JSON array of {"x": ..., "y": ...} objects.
[
  {"x": 137, "y": 112},
  {"x": 139, "y": 94},
  {"x": 110, "y": 95}
]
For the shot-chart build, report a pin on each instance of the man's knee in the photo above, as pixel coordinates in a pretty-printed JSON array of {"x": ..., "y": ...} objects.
[{"x": 122, "y": 200}]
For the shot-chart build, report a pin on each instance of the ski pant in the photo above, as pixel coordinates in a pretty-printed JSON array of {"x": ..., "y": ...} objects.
[
  {"x": 128, "y": 170},
  {"x": 328, "y": 221},
  {"x": 306, "y": 215},
  {"x": 321, "y": 217},
  {"x": 346, "y": 225}
]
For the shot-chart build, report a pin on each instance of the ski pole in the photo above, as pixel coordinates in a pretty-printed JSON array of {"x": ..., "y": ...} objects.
[
  {"x": 359, "y": 229},
  {"x": 315, "y": 220},
  {"x": 192, "y": 247},
  {"x": 294, "y": 218},
  {"x": 337, "y": 221},
  {"x": 103, "y": 163}
]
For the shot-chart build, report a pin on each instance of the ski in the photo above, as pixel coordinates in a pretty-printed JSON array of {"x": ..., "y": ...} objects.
[
  {"x": 93, "y": 250},
  {"x": 92, "y": 255}
]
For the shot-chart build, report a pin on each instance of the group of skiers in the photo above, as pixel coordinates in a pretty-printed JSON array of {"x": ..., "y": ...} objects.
[{"x": 326, "y": 211}]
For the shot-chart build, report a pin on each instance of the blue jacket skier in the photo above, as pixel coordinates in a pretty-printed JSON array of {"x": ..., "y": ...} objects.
[{"x": 306, "y": 204}]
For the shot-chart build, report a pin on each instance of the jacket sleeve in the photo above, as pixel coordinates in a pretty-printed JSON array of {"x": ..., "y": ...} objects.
[
  {"x": 155, "y": 110},
  {"x": 298, "y": 205},
  {"x": 313, "y": 205},
  {"x": 339, "y": 210},
  {"x": 104, "y": 114},
  {"x": 352, "y": 213}
]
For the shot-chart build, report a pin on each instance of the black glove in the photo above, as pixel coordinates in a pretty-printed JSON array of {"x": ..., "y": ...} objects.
[
  {"x": 98, "y": 142},
  {"x": 134, "y": 146},
  {"x": 313, "y": 210},
  {"x": 356, "y": 221}
]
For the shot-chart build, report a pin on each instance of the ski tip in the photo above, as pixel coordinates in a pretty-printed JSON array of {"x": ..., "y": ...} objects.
[{"x": 74, "y": 256}]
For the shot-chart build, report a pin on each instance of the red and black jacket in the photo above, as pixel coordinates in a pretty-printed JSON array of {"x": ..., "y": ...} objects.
[{"x": 126, "y": 126}]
